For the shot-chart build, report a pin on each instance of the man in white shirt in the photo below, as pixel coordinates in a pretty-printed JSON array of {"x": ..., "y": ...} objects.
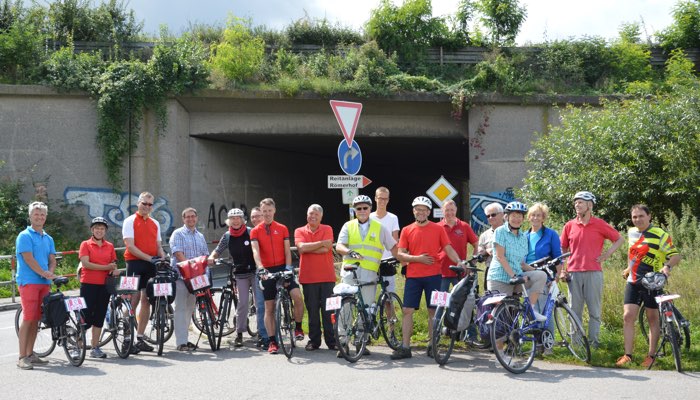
[{"x": 391, "y": 222}]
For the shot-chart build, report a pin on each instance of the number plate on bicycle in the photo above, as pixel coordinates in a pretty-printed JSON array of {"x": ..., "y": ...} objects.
[
  {"x": 439, "y": 299},
  {"x": 199, "y": 282},
  {"x": 163, "y": 289},
  {"x": 75, "y": 303},
  {"x": 128, "y": 283},
  {"x": 333, "y": 303}
]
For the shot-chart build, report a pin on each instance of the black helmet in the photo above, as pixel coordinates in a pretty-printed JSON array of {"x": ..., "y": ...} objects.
[{"x": 99, "y": 220}]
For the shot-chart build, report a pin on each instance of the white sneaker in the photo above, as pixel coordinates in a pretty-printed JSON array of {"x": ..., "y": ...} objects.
[{"x": 539, "y": 317}]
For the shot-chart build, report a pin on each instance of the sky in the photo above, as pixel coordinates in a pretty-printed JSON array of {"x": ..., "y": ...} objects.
[{"x": 546, "y": 19}]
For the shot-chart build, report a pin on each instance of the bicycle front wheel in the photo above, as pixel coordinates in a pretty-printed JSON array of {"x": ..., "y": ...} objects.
[
  {"x": 204, "y": 315},
  {"x": 123, "y": 328},
  {"x": 571, "y": 333},
  {"x": 74, "y": 343},
  {"x": 44, "y": 343},
  {"x": 284, "y": 325},
  {"x": 514, "y": 347},
  {"x": 443, "y": 339},
  {"x": 150, "y": 335},
  {"x": 391, "y": 318},
  {"x": 674, "y": 338},
  {"x": 224, "y": 311},
  {"x": 349, "y": 328}
]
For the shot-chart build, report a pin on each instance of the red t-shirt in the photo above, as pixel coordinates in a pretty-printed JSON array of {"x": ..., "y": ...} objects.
[
  {"x": 315, "y": 267},
  {"x": 97, "y": 254},
  {"x": 145, "y": 236},
  {"x": 586, "y": 243},
  {"x": 430, "y": 240},
  {"x": 460, "y": 234},
  {"x": 271, "y": 239}
]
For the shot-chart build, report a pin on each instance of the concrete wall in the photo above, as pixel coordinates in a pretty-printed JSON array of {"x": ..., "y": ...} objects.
[{"x": 225, "y": 149}]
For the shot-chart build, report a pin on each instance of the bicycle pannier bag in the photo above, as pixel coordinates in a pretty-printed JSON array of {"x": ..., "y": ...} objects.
[
  {"x": 53, "y": 310},
  {"x": 483, "y": 311},
  {"x": 461, "y": 305}
]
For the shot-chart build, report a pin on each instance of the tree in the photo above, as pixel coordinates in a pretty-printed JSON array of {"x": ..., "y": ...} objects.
[
  {"x": 503, "y": 18},
  {"x": 627, "y": 152},
  {"x": 239, "y": 54},
  {"x": 684, "y": 33}
]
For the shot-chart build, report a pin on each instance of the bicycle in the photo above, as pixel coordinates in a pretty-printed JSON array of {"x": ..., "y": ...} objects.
[
  {"x": 515, "y": 333},
  {"x": 70, "y": 334},
  {"x": 205, "y": 315},
  {"x": 120, "y": 321},
  {"x": 161, "y": 293},
  {"x": 284, "y": 319},
  {"x": 225, "y": 313},
  {"x": 670, "y": 325},
  {"x": 684, "y": 325},
  {"x": 355, "y": 322},
  {"x": 443, "y": 338}
]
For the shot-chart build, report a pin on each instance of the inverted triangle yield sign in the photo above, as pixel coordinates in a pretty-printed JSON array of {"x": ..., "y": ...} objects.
[{"x": 347, "y": 113}]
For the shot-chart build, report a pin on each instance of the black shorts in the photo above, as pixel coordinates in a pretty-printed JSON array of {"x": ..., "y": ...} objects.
[
  {"x": 145, "y": 269},
  {"x": 638, "y": 294},
  {"x": 270, "y": 285},
  {"x": 96, "y": 299}
]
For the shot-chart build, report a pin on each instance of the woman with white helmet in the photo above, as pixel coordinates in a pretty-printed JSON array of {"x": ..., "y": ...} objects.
[
  {"x": 237, "y": 241},
  {"x": 510, "y": 248}
]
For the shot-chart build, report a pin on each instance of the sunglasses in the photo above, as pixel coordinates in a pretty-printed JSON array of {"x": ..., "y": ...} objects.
[
  {"x": 492, "y": 215},
  {"x": 361, "y": 208},
  {"x": 147, "y": 204}
]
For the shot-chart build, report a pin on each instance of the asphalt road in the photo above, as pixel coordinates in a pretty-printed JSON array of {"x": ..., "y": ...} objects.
[{"x": 250, "y": 373}]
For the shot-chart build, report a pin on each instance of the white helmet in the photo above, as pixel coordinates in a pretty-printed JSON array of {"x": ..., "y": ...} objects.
[
  {"x": 235, "y": 212},
  {"x": 584, "y": 195},
  {"x": 422, "y": 201},
  {"x": 361, "y": 199}
]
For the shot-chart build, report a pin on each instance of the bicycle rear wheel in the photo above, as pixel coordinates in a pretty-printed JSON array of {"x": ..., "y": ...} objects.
[
  {"x": 123, "y": 328},
  {"x": 391, "y": 318},
  {"x": 150, "y": 334},
  {"x": 74, "y": 343},
  {"x": 349, "y": 329},
  {"x": 443, "y": 339},
  {"x": 514, "y": 348},
  {"x": 44, "y": 343},
  {"x": 673, "y": 337},
  {"x": 252, "y": 314},
  {"x": 571, "y": 333},
  {"x": 284, "y": 324}
]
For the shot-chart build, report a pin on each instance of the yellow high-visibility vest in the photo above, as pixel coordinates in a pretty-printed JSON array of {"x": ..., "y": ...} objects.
[{"x": 371, "y": 248}]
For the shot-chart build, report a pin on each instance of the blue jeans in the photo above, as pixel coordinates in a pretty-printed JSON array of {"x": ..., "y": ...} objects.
[{"x": 260, "y": 308}]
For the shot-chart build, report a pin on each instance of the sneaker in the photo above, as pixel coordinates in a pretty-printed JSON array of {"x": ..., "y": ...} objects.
[
  {"x": 143, "y": 346},
  {"x": 648, "y": 361},
  {"x": 35, "y": 360},
  {"x": 24, "y": 363},
  {"x": 624, "y": 360},
  {"x": 133, "y": 349},
  {"x": 538, "y": 317},
  {"x": 401, "y": 353},
  {"x": 183, "y": 347},
  {"x": 273, "y": 349},
  {"x": 97, "y": 353},
  {"x": 238, "y": 341},
  {"x": 298, "y": 334},
  {"x": 265, "y": 345},
  {"x": 311, "y": 347}
]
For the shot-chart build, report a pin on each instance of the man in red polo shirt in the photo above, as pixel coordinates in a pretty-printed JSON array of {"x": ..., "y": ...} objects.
[
  {"x": 141, "y": 235},
  {"x": 271, "y": 250},
  {"x": 314, "y": 242},
  {"x": 461, "y": 235},
  {"x": 584, "y": 237}
]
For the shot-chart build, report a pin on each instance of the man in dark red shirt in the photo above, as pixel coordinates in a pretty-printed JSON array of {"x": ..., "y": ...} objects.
[
  {"x": 461, "y": 235},
  {"x": 271, "y": 250},
  {"x": 314, "y": 242}
]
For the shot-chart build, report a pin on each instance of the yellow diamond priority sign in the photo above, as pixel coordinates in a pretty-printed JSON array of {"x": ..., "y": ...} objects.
[{"x": 441, "y": 191}]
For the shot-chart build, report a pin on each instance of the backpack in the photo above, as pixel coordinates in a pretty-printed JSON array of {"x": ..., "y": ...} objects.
[
  {"x": 461, "y": 305},
  {"x": 53, "y": 310}
]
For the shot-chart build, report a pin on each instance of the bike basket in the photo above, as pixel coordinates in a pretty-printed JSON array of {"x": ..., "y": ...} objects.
[
  {"x": 53, "y": 310},
  {"x": 387, "y": 268},
  {"x": 121, "y": 284},
  {"x": 191, "y": 268},
  {"x": 198, "y": 283}
]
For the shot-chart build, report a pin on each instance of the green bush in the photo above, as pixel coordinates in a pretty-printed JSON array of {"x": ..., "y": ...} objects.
[
  {"x": 239, "y": 55},
  {"x": 21, "y": 43},
  {"x": 684, "y": 33},
  {"x": 321, "y": 32}
]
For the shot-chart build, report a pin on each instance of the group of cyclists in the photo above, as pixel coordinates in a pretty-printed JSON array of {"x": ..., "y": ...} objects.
[{"x": 426, "y": 249}]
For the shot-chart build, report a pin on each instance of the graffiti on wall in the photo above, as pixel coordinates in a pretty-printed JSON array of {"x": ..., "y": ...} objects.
[
  {"x": 116, "y": 207},
  {"x": 217, "y": 215},
  {"x": 478, "y": 201}
]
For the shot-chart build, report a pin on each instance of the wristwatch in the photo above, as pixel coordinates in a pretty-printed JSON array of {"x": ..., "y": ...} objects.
[{"x": 668, "y": 266}]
